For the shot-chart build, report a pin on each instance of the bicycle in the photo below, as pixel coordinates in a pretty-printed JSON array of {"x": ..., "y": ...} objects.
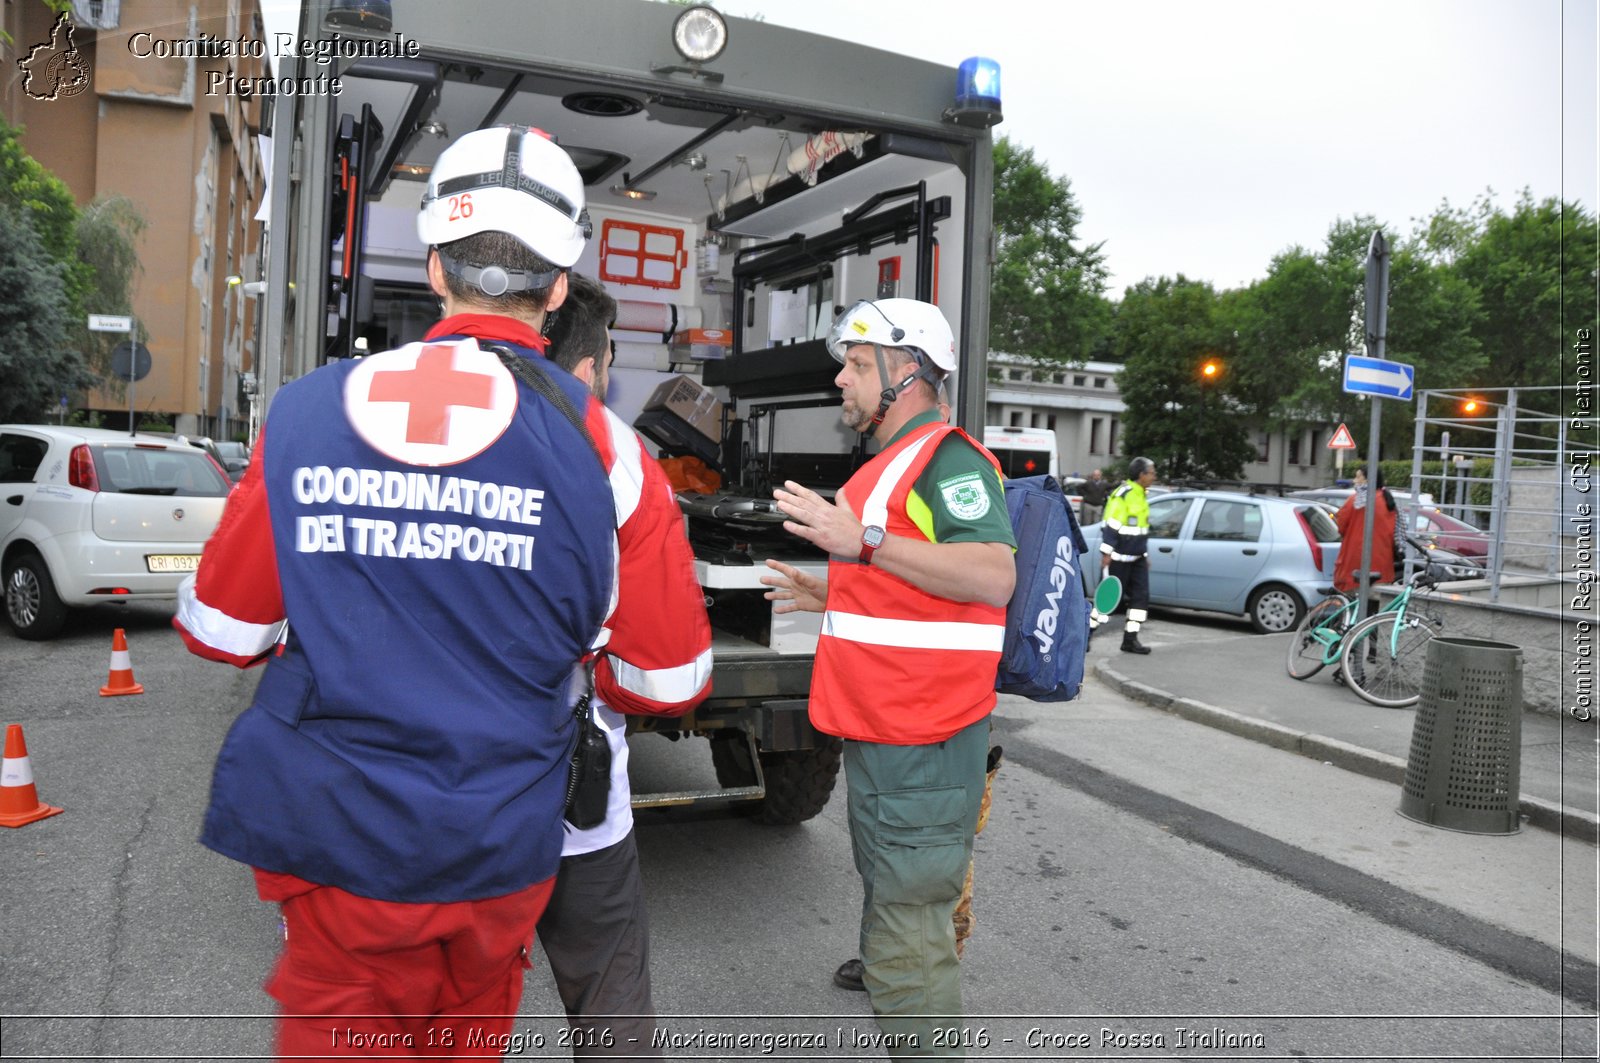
[{"x": 1381, "y": 658}]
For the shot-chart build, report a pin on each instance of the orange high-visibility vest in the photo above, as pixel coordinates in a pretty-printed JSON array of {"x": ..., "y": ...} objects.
[{"x": 895, "y": 664}]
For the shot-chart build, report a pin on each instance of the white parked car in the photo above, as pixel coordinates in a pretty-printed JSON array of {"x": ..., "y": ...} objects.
[{"x": 89, "y": 515}]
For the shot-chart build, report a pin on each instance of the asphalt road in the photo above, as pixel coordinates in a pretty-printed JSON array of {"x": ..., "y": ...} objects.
[{"x": 1144, "y": 883}]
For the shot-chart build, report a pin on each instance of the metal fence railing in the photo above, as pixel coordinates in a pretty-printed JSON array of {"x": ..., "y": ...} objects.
[{"x": 1498, "y": 458}]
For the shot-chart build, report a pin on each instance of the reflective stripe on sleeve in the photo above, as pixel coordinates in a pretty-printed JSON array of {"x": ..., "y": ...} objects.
[
  {"x": 627, "y": 469},
  {"x": 603, "y": 636},
  {"x": 218, "y": 630},
  {"x": 665, "y": 685},
  {"x": 914, "y": 634}
]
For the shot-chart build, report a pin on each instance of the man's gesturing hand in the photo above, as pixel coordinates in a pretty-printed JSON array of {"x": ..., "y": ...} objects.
[
  {"x": 812, "y": 517},
  {"x": 795, "y": 591}
]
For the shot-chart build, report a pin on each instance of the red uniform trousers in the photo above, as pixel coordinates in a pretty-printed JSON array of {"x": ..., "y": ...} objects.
[{"x": 361, "y": 977}]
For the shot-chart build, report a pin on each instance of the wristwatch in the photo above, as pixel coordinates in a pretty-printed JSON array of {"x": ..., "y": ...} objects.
[{"x": 871, "y": 539}]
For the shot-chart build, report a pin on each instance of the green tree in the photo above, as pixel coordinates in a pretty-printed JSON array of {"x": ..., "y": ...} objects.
[
  {"x": 1192, "y": 426},
  {"x": 57, "y": 6},
  {"x": 1295, "y": 327},
  {"x": 29, "y": 187},
  {"x": 108, "y": 232},
  {"x": 1047, "y": 295},
  {"x": 35, "y": 364},
  {"x": 92, "y": 253},
  {"x": 1432, "y": 315},
  {"x": 1533, "y": 274},
  {"x": 1287, "y": 328}
]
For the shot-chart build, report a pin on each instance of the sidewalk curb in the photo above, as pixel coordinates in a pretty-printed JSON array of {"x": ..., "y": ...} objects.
[{"x": 1536, "y": 812}]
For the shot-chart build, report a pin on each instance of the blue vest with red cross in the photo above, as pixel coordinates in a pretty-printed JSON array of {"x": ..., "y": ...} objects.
[{"x": 445, "y": 543}]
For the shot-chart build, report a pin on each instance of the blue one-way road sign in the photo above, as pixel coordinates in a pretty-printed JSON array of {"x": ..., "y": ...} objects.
[{"x": 1375, "y": 376}]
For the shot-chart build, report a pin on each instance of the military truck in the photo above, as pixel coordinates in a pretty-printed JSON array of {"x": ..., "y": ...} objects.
[{"x": 745, "y": 183}]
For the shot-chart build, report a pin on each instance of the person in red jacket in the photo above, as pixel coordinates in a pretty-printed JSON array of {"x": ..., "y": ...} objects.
[
  {"x": 596, "y": 929},
  {"x": 431, "y": 549},
  {"x": 1351, "y": 521}
]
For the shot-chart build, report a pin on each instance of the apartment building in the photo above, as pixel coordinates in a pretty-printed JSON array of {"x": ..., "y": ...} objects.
[{"x": 142, "y": 98}]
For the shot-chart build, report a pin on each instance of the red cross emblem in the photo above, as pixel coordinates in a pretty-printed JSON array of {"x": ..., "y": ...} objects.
[
  {"x": 431, "y": 404},
  {"x": 431, "y": 389}
]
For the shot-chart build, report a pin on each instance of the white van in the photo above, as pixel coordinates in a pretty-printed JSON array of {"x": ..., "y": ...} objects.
[{"x": 1022, "y": 451}]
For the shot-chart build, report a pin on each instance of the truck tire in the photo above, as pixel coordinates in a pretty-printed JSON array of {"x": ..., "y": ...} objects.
[{"x": 799, "y": 781}]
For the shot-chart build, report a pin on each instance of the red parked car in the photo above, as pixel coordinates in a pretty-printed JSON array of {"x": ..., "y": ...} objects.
[
  {"x": 1451, "y": 533},
  {"x": 1440, "y": 528}
]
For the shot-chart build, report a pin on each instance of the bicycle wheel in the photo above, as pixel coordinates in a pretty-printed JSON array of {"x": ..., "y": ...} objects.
[
  {"x": 1383, "y": 663},
  {"x": 1317, "y": 637}
]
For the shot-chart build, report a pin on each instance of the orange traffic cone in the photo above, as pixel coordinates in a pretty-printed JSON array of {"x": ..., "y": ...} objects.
[
  {"x": 19, "y": 799},
  {"x": 121, "y": 679}
]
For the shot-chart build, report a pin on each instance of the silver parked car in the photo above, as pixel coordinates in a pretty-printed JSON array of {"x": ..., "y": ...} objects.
[
  {"x": 89, "y": 515},
  {"x": 1257, "y": 556},
  {"x": 235, "y": 458}
]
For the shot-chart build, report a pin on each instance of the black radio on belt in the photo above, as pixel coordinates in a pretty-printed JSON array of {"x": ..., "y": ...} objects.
[
  {"x": 590, "y": 782},
  {"x": 589, "y": 775}
]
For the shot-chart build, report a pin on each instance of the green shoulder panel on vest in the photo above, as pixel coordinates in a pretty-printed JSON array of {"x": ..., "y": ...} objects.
[{"x": 960, "y": 497}]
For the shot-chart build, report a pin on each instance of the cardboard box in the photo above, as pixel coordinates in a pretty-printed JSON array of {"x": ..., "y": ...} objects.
[
  {"x": 689, "y": 402},
  {"x": 703, "y": 344}
]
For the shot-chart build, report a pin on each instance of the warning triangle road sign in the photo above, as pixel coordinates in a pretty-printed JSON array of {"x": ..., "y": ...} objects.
[{"x": 1341, "y": 440}]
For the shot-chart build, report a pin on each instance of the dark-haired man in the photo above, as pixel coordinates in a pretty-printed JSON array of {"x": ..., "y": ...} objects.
[{"x": 596, "y": 930}]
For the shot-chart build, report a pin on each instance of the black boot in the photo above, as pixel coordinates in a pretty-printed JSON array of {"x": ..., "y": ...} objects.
[
  {"x": 1131, "y": 643},
  {"x": 849, "y": 976}
]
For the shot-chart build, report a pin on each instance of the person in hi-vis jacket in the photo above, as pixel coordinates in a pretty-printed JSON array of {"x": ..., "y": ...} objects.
[
  {"x": 1124, "y": 547},
  {"x": 920, "y": 571}
]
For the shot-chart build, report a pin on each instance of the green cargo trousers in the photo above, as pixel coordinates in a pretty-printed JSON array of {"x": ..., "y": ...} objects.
[{"x": 913, "y": 811}]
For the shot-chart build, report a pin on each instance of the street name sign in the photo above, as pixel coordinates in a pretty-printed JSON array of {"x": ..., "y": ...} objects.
[
  {"x": 1378, "y": 377},
  {"x": 1341, "y": 440},
  {"x": 110, "y": 323}
]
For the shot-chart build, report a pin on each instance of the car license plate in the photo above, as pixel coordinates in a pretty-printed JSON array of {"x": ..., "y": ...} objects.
[{"x": 172, "y": 562}]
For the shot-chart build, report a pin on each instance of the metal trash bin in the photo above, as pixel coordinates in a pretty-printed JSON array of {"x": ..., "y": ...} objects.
[{"x": 1464, "y": 768}]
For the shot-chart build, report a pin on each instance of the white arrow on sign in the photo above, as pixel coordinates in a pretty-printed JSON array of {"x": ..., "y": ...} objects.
[{"x": 1375, "y": 376}]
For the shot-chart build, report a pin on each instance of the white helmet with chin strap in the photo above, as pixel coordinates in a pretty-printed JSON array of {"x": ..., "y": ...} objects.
[
  {"x": 908, "y": 324},
  {"x": 508, "y": 179}
]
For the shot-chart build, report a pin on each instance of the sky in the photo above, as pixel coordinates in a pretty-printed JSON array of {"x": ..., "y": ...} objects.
[{"x": 1203, "y": 137}]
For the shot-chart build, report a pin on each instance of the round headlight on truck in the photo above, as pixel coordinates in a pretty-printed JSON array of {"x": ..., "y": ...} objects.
[{"x": 700, "y": 33}]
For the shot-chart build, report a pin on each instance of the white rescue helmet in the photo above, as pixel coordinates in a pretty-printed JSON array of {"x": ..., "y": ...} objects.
[
  {"x": 507, "y": 179},
  {"x": 906, "y": 323}
]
